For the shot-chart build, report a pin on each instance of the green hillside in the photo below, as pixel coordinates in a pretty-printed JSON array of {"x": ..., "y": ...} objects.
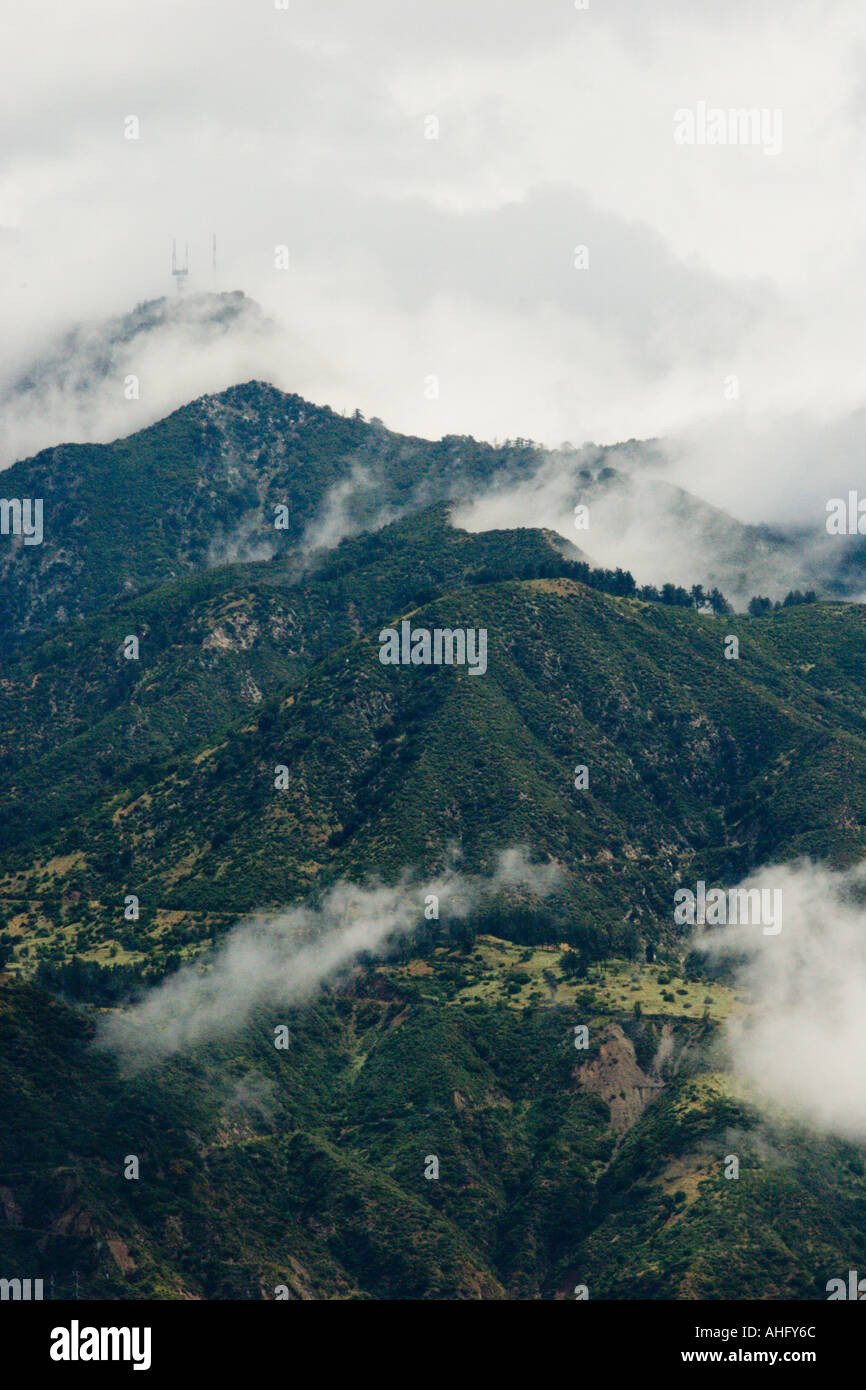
[
  {"x": 304, "y": 1168},
  {"x": 157, "y": 777},
  {"x": 201, "y": 488}
]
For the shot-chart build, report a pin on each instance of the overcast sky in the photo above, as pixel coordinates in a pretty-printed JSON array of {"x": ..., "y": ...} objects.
[{"x": 454, "y": 257}]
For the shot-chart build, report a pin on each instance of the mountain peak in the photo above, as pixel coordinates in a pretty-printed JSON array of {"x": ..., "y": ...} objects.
[{"x": 105, "y": 378}]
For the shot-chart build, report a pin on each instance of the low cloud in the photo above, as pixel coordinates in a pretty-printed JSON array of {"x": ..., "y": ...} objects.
[
  {"x": 663, "y": 533},
  {"x": 105, "y": 379},
  {"x": 801, "y": 1042},
  {"x": 352, "y": 505},
  {"x": 284, "y": 959}
]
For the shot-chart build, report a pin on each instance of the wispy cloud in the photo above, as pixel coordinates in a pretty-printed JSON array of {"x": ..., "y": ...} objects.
[
  {"x": 802, "y": 1039},
  {"x": 283, "y": 959}
]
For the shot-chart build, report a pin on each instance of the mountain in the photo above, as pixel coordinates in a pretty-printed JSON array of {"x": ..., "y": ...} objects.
[
  {"x": 132, "y": 772},
  {"x": 635, "y": 518},
  {"x": 148, "y": 769},
  {"x": 201, "y": 488},
  {"x": 670, "y": 535},
  {"x": 303, "y": 1170},
  {"x": 251, "y": 473},
  {"x": 109, "y": 376}
]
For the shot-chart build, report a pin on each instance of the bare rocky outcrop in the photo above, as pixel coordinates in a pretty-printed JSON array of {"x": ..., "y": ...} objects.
[{"x": 615, "y": 1076}]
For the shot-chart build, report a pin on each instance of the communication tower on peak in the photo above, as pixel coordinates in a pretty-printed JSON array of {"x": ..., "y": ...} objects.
[{"x": 180, "y": 272}]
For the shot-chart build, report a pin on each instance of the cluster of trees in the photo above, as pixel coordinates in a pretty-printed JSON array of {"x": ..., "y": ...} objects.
[
  {"x": 696, "y": 597},
  {"x": 618, "y": 582},
  {"x": 759, "y": 606},
  {"x": 526, "y": 924},
  {"x": 622, "y": 584},
  {"x": 86, "y": 981}
]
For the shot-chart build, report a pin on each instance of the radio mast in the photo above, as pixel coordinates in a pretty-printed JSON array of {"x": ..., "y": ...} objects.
[{"x": 180, "y": 272}]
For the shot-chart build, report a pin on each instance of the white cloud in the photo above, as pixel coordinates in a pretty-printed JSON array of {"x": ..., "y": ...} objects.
[
  {"x": 800, "y": 1042},
  {"x": 283, "y": 959},
  {"x": 412, "y": 257}
]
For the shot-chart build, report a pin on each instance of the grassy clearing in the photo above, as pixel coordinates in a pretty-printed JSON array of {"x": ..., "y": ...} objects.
[{"x": 497, "y": 972}]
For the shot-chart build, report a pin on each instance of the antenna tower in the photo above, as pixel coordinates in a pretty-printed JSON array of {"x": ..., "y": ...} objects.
[{"x": 180, "y": 272}]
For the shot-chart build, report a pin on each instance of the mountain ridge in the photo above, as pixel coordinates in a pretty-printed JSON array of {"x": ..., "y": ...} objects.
[{"x": 159, "y": 781}]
